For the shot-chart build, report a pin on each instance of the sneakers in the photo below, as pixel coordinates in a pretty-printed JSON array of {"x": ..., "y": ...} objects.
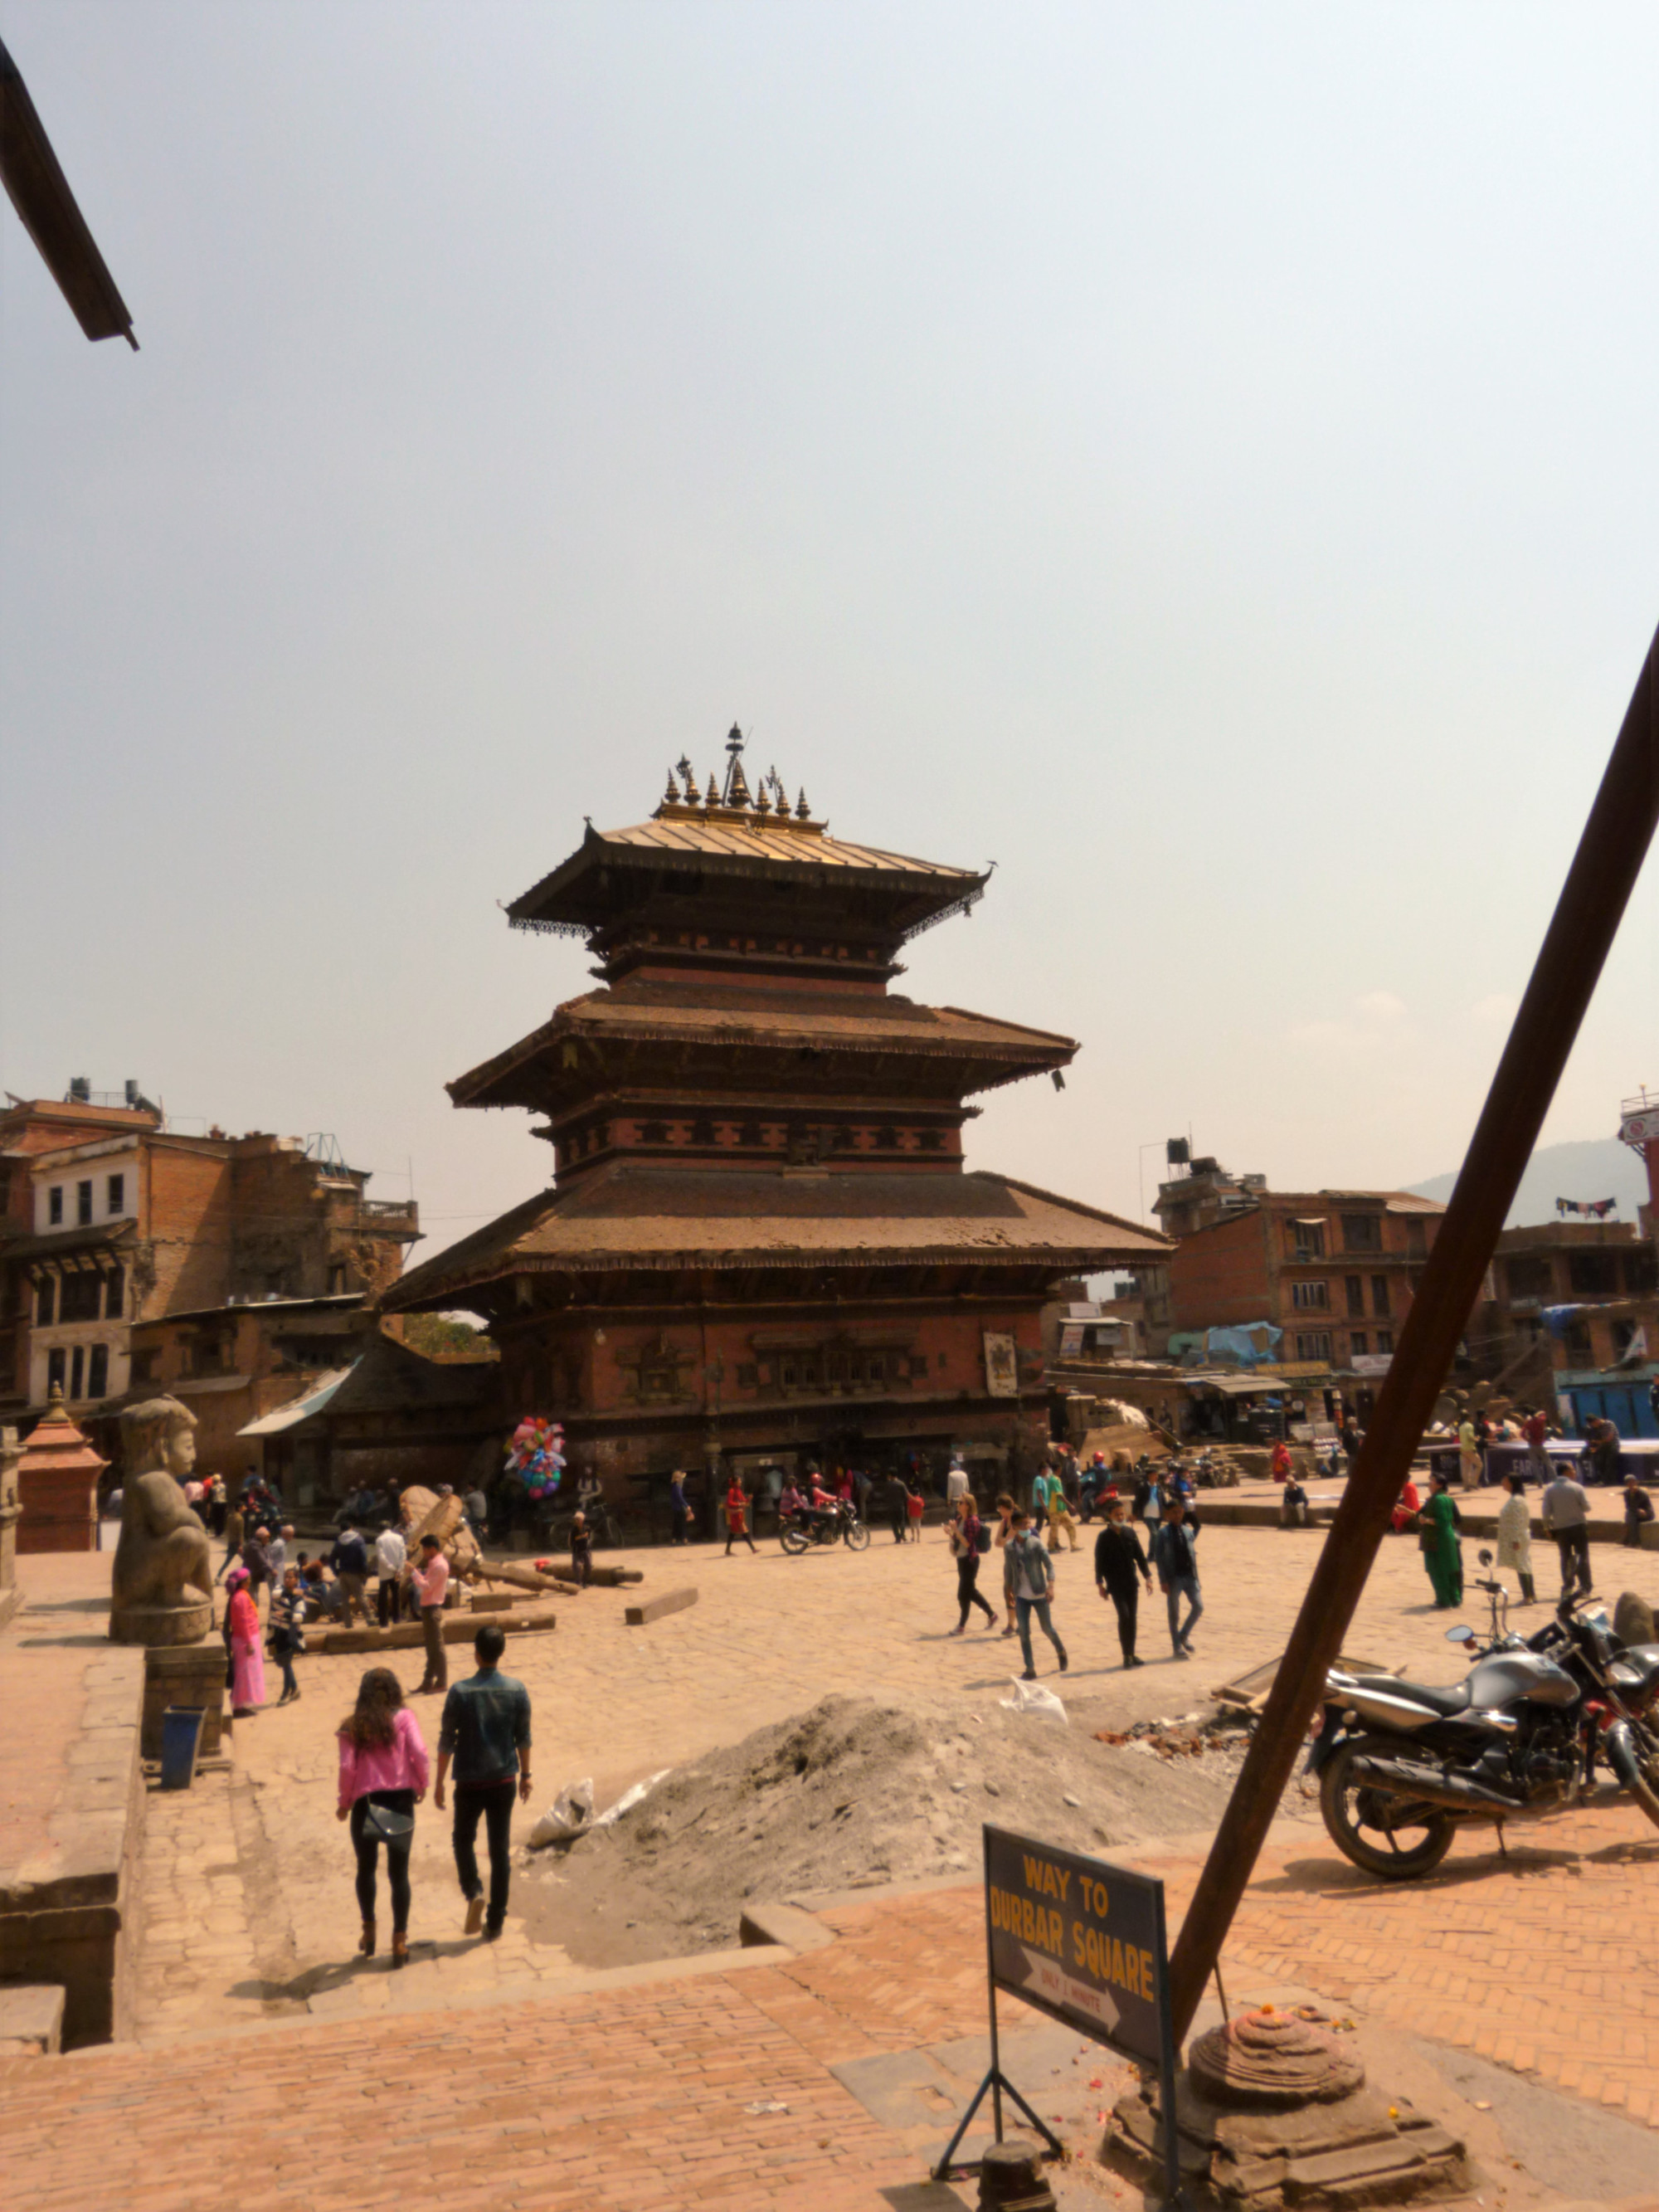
[{"x": 475, "y": 1913}]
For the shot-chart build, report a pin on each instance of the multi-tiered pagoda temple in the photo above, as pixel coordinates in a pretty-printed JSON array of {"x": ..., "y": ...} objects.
[{"x": 762, "y": 1243}]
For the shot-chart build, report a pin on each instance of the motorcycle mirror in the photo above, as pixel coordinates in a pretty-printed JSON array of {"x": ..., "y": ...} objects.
[
  {"x": 1461, "y": 1634},
  {"x": 1485, "y": 1558}
]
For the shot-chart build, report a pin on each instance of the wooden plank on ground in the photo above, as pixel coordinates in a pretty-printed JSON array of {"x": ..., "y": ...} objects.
[
  {"x": 653, "y": 1608},
  {"x": 409, "y": 1635}
]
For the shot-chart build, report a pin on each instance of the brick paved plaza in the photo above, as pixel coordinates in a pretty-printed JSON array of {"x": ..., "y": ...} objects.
[{"x": 509, "y": 2076}]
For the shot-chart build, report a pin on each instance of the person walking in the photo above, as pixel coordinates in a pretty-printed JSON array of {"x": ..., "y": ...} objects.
[
  {"x": 288, "y": 1607},
  {"x": 1027, "y": 1579},
  {"x": 964, "y": 1532},
  {"x": 247, "y": 1664},
  {"x": 737, "y": 1516},
  {"x": 916, "y": 1505},
  {"x": 1536, "y": 1429},
  {"x": 391, "y": 1558},
  {"x": 233, "y": 1535},
  {"x": 955, "y": 1484},
  {"x": 1565, "y": 1507},
  {"x": 261, "y": 1570},
  {"x": 1638, "y": 1512},
  {"x": 1515, "y": 1535},
  {"x": 1001, "y": 1537},
  {"x": 1118, "y": 1559},
  {"x": 1442, "y": 1555},
  {"x": 383, "y": 1776},
  {"x": 429, "y": 1580},
  {"x": 1469, "y": 1453},
  {"x": 217, "y": 1504},
  {"x": 349, "y": 1561},
  {"x": 680, "y": 1512},
  {"x": 1174, "y": 1555},
  {"x": 485, "y": 1732}
]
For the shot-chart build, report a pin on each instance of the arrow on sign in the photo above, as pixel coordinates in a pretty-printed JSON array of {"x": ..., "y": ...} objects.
[{"x": 1054, "y": 1984}]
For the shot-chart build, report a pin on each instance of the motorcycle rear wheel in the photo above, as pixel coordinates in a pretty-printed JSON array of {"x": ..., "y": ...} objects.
[
  {"x": 794, "y": 1540},
  {"x": 1343, "y": 1804},
  {"x": 1646, "y": 1791}
]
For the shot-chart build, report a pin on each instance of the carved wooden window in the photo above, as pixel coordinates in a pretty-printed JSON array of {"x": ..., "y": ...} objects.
[
  {"x": 702, "y": 1130},
  {"x": 653, "y": 1133},
  {"x": 931, "y": 1139},
  {"x": 887, "y": 1138},
  {"x": 45, "y": 1297},
  {"x": 115, "y": 1292},
  {"x": 751, "y": 1134},
  {"x": 878, "y": 1369},
  {"x": 98, "y": 1371}
]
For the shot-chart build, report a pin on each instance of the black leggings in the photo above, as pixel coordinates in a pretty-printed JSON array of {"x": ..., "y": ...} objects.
[
  {"x": 968, "y": 1588},
  {"x": 396, "y": 1856}
]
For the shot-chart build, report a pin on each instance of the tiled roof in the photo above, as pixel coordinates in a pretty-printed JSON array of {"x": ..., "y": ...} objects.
[
  {"x": 737, "y": 1016},
  {"x": 747, "y": 839},
  {"x": 630, "y": 1217}
]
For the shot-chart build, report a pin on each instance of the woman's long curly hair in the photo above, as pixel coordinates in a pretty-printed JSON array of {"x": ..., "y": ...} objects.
[{"x": 371, "y": 1724}]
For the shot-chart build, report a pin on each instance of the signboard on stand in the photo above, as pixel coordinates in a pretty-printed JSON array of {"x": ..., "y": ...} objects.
[{"x": 1083, "y": 1941}]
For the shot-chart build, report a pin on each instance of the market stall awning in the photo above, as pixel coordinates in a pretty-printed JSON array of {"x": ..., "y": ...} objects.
[{"x": 298, "y": 1409}]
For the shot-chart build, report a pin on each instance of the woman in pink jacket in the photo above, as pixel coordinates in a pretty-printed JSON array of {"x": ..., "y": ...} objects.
[{"x": 383, "y": 1776}]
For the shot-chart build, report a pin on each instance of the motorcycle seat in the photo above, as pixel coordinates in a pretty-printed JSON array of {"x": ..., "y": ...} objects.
[{"x": 1453, "y": 1700}]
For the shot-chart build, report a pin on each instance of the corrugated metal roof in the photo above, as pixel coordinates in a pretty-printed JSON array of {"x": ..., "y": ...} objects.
[
  {"x": 298, "y": 1409},
  {"x": 747, "y": 839}
]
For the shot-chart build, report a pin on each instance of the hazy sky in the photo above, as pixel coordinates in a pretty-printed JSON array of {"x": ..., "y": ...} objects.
[{"x": 1202, "y": 460}]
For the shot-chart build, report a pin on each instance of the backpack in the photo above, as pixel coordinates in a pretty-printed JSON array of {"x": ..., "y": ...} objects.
[{"x": 982, "y": 1543}]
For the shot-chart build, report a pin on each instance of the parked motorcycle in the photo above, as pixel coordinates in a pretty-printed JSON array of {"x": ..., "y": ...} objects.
[
  {"x": 829, "y": 1524},
  {"x": 1401, "y": 1766}
]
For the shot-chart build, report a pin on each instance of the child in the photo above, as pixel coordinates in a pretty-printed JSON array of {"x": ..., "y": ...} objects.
[
  {"x": 915, "y": 1508},
  {"x": 581, "y": 1551},
  {"x": 287, "y": 1636},
  {"x": 737, "y": 1522}
]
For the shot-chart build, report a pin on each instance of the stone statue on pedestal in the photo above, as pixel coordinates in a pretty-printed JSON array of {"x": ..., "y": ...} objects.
[{"x": 162, "y": 1588}]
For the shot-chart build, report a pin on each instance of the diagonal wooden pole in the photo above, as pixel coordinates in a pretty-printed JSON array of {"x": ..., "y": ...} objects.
[{"x": 1586, "y": 919}]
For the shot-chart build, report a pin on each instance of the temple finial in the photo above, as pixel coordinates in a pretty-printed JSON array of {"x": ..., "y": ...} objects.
[
  {"x": 712, "y": 796},
  {"x": 688, "y": 776},
  {"x": 671, "y": 796},
  {"x": 763, "y": 799},
  {"x": 736, "y": 787},
  {"x": 802, "y": 811}
]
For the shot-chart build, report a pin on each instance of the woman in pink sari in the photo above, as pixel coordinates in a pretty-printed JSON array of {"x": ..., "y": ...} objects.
[{"x": 246, "y": 1660}]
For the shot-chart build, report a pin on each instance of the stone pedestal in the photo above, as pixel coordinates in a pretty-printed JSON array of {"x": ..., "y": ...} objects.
[
  {"x": 183, "y": 1675},
  {"x": 162, "y": 1625},
  {"x": 1272, "y": 2110}
]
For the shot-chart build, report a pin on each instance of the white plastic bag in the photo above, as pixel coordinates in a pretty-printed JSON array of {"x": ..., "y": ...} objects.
[
  {"x": 1032, "y": 1697},
  {"x": 571, "y": 1815},
  {"x": 630, "y": 1798}
]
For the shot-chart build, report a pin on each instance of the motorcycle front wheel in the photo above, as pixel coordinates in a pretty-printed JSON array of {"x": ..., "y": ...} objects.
[
  {"x": 857, "y": 1535},
  {"x": 1395, "y": 1840}
]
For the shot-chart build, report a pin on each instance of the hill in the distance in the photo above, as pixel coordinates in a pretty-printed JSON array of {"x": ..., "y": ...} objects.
[{"x": 1594, "y": 1167}]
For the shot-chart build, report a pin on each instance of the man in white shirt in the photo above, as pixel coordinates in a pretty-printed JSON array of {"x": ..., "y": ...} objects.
[
  {"x": 391, "y": 1558},
  {"x": 955, "y": 1484}
]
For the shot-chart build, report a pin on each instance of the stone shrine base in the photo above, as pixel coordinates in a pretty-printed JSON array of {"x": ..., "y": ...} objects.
[
  {"x": 71, "y": 1796},
  {"x": 157, "y": 1626}
]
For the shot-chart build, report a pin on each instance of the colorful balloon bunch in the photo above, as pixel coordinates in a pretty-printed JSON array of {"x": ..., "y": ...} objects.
[{"x": 536, "y": 1455}]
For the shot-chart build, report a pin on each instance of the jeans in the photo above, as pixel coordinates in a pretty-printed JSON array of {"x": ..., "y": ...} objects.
[
  {"x": 396, "y": 1856},
  {"x": 1573, "y": 1544},
  {"x": 1183, "y": 1586},
  {"x": 968, "y": 1588},
  {"x": 285, "y": 1660},
  {"x": 1128, "y": 1604},
  {"x": 493, "y": 1800},
  {"x": 388, "y": 1601},
  {"x": 1024, "y": 1608},
  {"x": 679, "y": 1536}
]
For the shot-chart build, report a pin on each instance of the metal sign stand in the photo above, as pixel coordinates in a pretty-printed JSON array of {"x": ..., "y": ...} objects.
[
  {"x": 1076, "y": 1976},
  {"x": 996, "y": 2081}
]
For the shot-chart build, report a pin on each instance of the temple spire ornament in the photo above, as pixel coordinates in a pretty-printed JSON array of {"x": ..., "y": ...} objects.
[{"x": 802, "y": 811}]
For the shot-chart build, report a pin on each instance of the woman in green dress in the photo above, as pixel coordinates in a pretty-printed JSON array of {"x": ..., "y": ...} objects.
[{"x": 1442, "y": 1555}]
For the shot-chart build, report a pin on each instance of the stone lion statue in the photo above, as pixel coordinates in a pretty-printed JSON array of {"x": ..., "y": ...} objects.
[{"x": 162, "y": 1584}]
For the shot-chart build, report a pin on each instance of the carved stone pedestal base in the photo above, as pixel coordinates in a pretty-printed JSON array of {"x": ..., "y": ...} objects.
[
  {"x": 187, "y": 1674},
  {"x": 1273, "y": 2110},
  {"x": 159, "y": 1625}
]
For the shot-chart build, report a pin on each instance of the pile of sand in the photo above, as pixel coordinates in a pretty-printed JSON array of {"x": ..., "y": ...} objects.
[{"x": 855, "y": 1793}]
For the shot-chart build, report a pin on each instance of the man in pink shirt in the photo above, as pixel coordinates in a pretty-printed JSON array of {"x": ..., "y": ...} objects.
[{"x": 429, "y": 1576}]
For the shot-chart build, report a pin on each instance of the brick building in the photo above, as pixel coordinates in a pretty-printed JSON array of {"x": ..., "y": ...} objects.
[
  {"x": 1572, "y": 1318},
  {"x": 1333, "y": 1270},
  {"x": 763, "y": 1245},
  {"x": 114, "y": 1221}
]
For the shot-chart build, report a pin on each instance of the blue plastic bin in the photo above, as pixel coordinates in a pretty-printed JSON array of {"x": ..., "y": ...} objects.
[{"x": 181, "y": 1733}]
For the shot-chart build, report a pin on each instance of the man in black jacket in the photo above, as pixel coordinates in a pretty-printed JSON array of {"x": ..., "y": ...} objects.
[
  {"x": 349, "y": 1560},
  {"x": 1118, "y": 1559}
]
